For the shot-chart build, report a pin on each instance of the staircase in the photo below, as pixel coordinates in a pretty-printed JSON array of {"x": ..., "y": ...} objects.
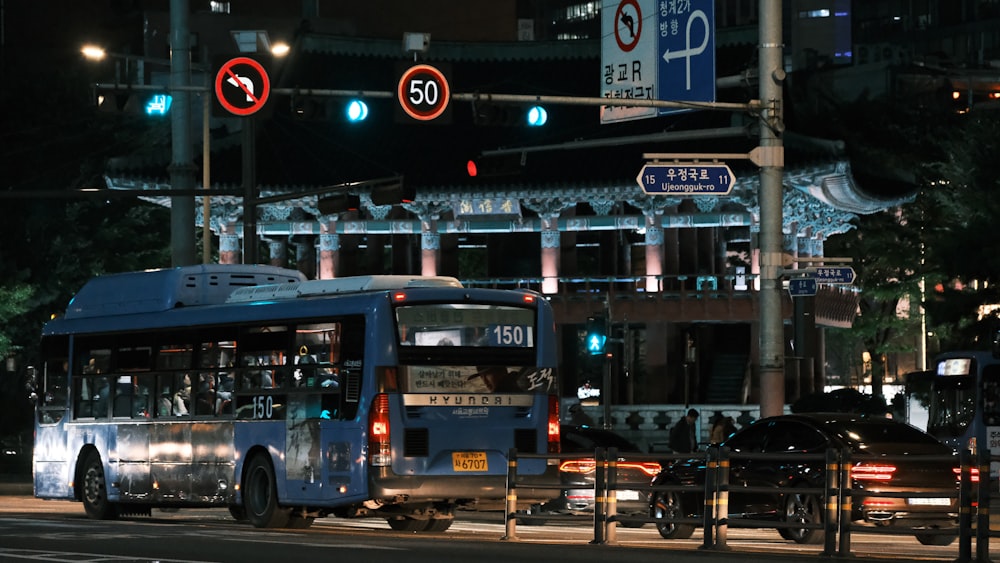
[{"x": 727, "y": 379}]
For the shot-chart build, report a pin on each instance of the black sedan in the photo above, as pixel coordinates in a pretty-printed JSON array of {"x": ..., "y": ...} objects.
[
  {"x": 577, "y": 475},
  {"x": 932, "y": 510}
]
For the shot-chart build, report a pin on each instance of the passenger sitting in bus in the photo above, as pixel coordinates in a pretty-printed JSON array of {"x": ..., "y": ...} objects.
[
  {"x": 205, "y": 402},
  {"x": 224, "y": 394},
  {"x": 182, "y": 398}
]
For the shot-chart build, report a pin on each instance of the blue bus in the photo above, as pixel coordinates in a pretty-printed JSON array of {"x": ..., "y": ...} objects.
[
  {"x": 286, "y": 399},
  {"x": 964, "y": 404}
]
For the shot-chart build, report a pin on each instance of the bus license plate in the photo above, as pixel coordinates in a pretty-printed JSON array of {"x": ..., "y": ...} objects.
[{"x": 469, "y": 461}]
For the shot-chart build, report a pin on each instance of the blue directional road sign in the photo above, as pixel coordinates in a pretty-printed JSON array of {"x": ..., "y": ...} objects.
[
  {"x": 834, "y": 274},
  {"x": 686, "y": 179},
  {"x": 802, "y": 287},
  {"x": 686, "y": 68}
]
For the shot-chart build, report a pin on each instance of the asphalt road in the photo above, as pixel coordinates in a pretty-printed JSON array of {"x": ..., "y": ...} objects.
[{"x": 33, "y": 529}]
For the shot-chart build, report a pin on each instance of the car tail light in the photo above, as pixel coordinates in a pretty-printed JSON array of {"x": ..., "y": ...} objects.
[
  {"x": 553, "y": 424},
  {"x": 648, "y": 467},
  {"x": 973, "y": 474},
  {"x": 871, "y": 472},
  {"x": 578, "y": 466},
  {"x": 379, "y": 448}
]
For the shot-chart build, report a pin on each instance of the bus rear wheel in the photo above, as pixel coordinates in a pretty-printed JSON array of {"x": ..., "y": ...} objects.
[
  {"x": 95, "y": 490},
  {"x": 260, "y": 495}
]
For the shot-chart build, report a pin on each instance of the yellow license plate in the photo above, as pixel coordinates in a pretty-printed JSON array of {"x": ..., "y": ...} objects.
[{"x": 469, "y": 461}]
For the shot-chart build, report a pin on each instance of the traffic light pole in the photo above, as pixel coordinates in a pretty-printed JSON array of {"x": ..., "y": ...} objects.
[{"x": 772, "y": 76}]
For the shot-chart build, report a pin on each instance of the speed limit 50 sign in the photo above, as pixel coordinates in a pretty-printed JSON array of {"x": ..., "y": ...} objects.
[{"x": 423, "y": 92}]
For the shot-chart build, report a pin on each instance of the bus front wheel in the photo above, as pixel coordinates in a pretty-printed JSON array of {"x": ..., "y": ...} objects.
[
  {"x": 95, "y": 490},
  {"x": 260, "y": 495}
]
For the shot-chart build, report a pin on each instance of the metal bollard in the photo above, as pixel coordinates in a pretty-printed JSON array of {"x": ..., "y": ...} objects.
[
  {"x": 844, "y": 550},
  {"x": 830, "y": 516},
  {"x": 600, "y": 490},
  {"x": 722, "y": 505},
  {"x": 965, "y": 507},
  {"x": 983, "y": 505},
  {"x": 510, "y": 529},
  {"x": 611, "y": 533},
  {"x": 711, "y": 492}
]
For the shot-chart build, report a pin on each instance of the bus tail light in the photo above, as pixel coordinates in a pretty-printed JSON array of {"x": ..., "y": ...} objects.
[
  {"x": 553, "y": 424},
  {"x": 379, "y": 448}
]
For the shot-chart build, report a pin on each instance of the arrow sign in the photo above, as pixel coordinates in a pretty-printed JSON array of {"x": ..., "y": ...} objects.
[
  {"x": 686, "y": 179},
  {"x": 802, "y": 287},
  {"x": 831, "y": 274}
]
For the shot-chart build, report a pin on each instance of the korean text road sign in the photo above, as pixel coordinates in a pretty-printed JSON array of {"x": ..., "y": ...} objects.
[
  {"x": 802, "y": 287},
  {"x": 423, "y": 92},
  {"x": 628, "y": 57},
  {"x": 686, "y": 179},
  {"x": 242, "y": 86},
  {"x": 834, "y": 274},
  {"x": 686, "y": 52}
]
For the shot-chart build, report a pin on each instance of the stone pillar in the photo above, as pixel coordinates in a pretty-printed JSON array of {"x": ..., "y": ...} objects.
[
  {"x": 550, "y": 255},
  {"x": 305, "y": 255},
  {"x": 654, "y": 253},
  {"x": 277, "y": 252},
  {"x": 329, "y": 247},
  {"x": 229, "y": 244},
  {"x": 430, "y": 249}
]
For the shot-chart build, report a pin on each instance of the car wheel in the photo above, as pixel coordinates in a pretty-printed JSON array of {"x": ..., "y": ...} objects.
[
  {"x": 260, "y": 495},
  {"x": 435, "y": 525},
  {"x": 532, "y": 510},
  {"x": 801, "y": 508},
  {"x": 668, "y": 505},
  {"x": 95, "y": 490},
  {"x": 935, "y": 539},
  {"x": 404, "y": 524}
]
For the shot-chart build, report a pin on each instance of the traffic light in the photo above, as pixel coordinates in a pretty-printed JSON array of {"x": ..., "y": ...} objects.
[
  {"x": 495, "y": 165},
  {"x": 356, "y": 111},
  {"x": 508, "y": 115},
  {"x": 597, "y": 335}
]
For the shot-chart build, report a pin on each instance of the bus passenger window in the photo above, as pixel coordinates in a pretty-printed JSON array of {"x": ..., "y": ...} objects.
[{"x": 205, "y": 398}]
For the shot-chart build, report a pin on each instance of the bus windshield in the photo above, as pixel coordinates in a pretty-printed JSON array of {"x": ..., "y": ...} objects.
[{"x": 954, "y": 407}]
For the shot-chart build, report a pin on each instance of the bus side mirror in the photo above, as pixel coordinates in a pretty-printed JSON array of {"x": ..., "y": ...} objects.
[{"x": 32, "y": 384}]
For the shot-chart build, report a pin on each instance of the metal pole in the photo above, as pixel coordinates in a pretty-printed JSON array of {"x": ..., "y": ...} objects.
[
  {"x": 249, "y": 192},
  {"x": 181, "y": 168},
  {"x": 206, "y": 175},
  {"x": 772, "y": 384}
]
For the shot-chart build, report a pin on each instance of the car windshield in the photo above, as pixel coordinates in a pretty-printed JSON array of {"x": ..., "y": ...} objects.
[{"x": 864, "y": 434}]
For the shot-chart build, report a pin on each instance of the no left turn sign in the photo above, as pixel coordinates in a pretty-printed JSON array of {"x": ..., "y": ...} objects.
[
  {"x": 423, "y": 92},
  {"x": 242, "y": 86}
]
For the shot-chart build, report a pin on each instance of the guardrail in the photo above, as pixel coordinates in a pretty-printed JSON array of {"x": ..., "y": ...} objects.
[{"x": 836, "y": 495}]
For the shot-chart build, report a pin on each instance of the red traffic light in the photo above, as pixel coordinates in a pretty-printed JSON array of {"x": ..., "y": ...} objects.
[{"x": 470, "y": 167}]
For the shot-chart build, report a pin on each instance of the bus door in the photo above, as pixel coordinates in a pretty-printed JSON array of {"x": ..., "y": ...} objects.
[{"x": 50, "y": 465}]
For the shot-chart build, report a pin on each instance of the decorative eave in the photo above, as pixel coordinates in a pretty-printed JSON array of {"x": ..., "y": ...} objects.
[{"x": 451, "y": 50}]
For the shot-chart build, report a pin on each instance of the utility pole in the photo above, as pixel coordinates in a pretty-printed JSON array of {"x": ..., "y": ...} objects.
[
  {"x": 182, "y": 247},
  {"x": 771, "y": 241}
]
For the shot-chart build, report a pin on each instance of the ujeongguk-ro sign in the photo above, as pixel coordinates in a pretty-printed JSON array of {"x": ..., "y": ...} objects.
[{"x": 686, "y": 179}]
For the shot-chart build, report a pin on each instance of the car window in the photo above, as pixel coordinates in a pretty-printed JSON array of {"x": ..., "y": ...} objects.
[
  {"x": 749, "y": 439},
  {"x": 793, "y": 436},
  {"x": 579, "y": 441}
]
